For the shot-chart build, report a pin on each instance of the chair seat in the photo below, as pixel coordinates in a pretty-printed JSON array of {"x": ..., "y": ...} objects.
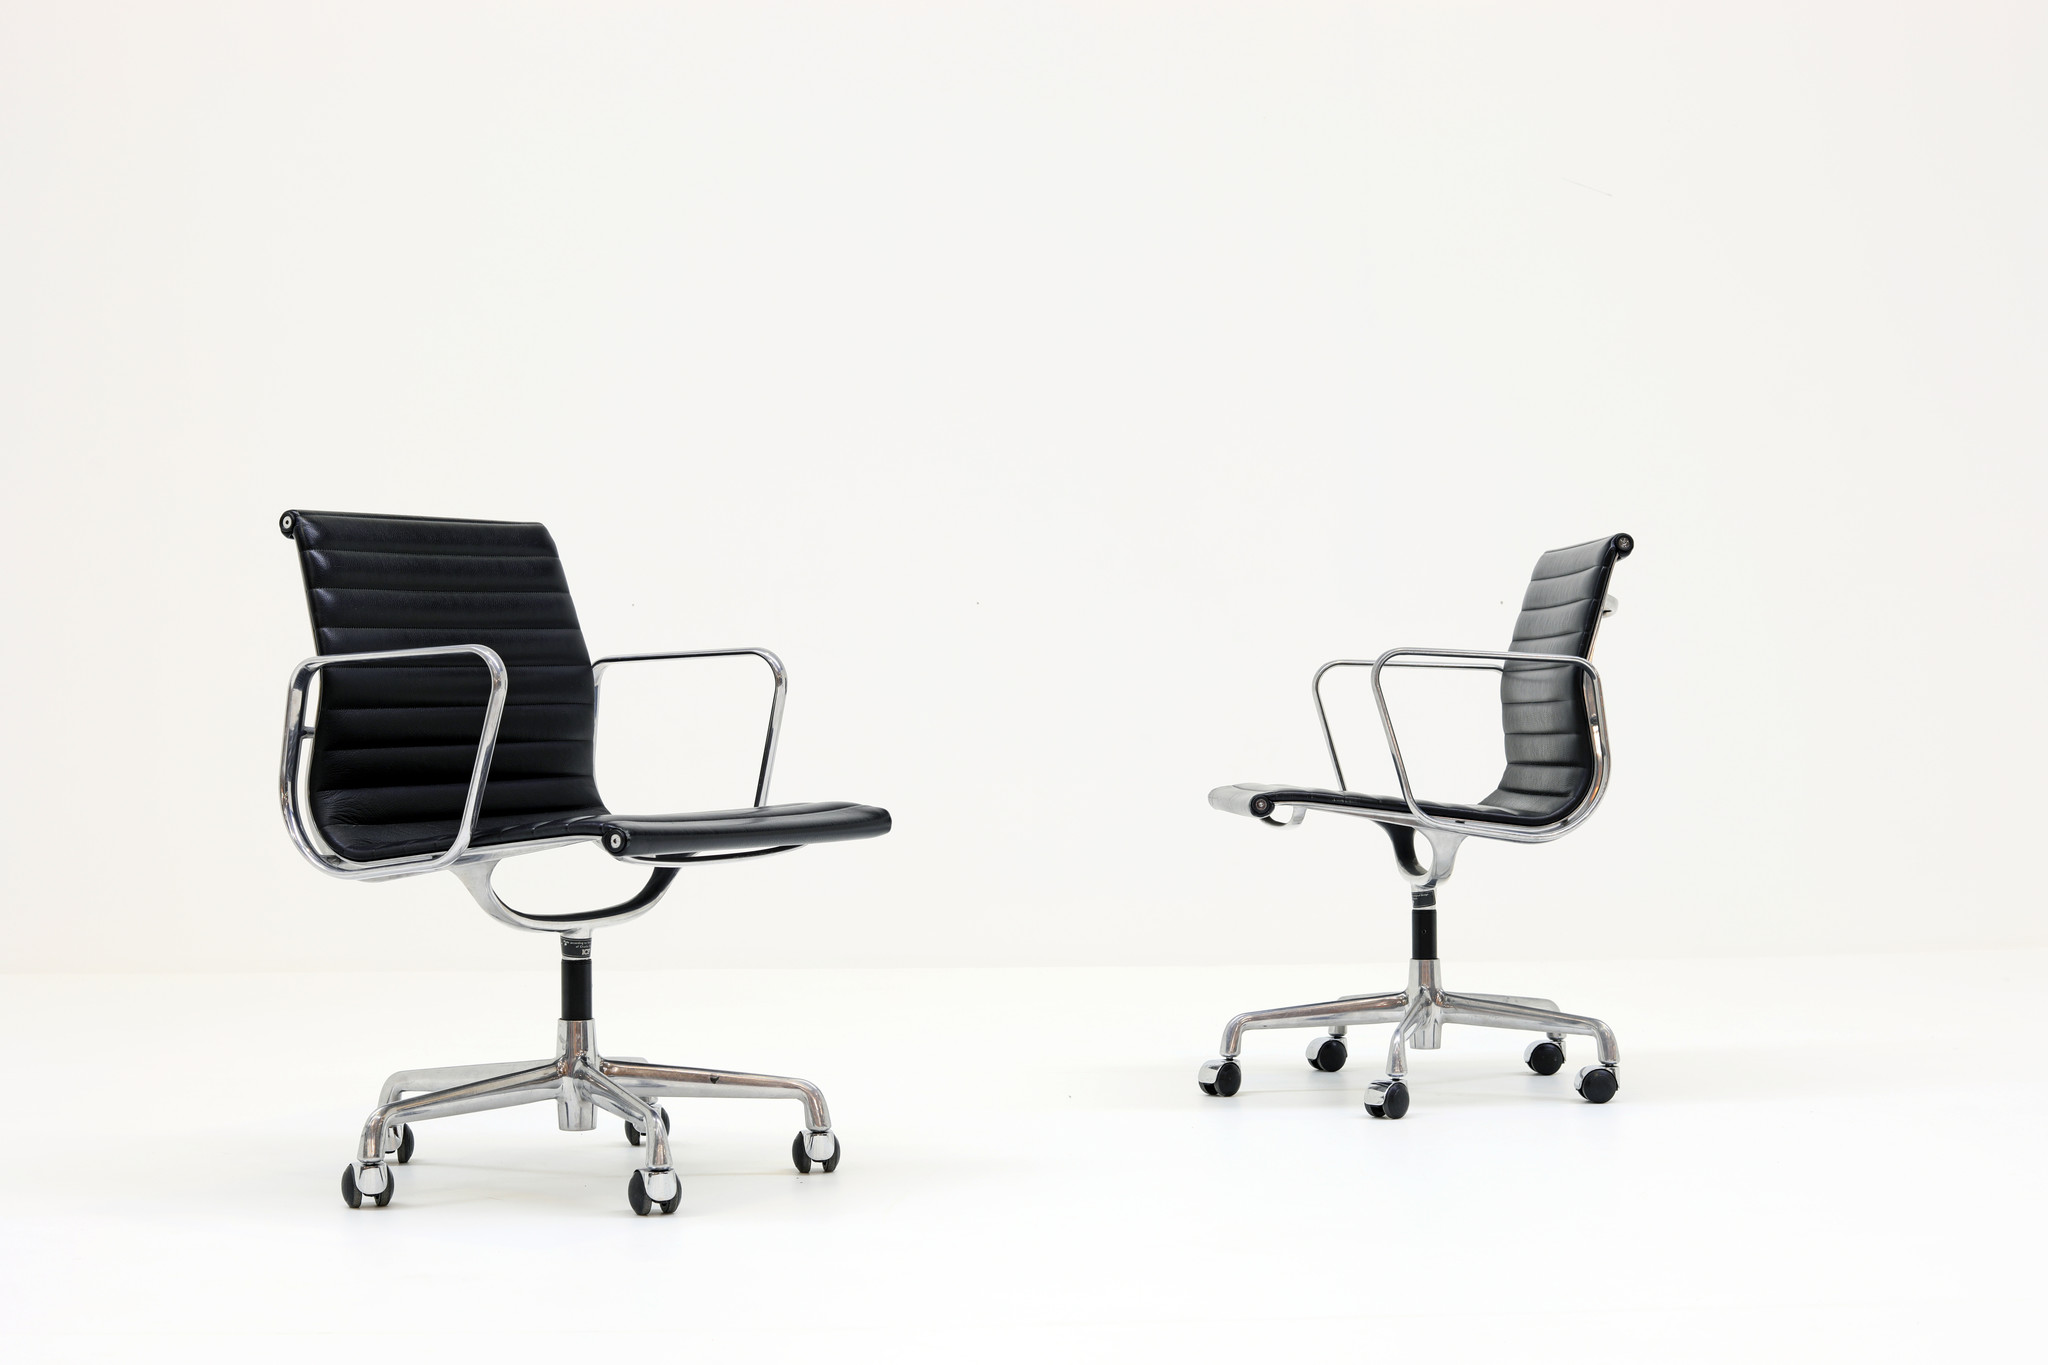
[
  {"x": 1259, "y": 798},
  {"x": 722, "y": 831},
  {"x": 713, "y": 831}
]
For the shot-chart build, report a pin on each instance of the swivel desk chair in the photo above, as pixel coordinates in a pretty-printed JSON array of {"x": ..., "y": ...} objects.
[
  {"x": 415, "y": 766},
  {"x": 1557, "y": 764}
]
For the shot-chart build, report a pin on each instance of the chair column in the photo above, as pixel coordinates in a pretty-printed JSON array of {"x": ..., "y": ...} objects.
[
  {"x": 575, "y": 977},
  {"x": 574, "y": 1111},
  {"x": 1422, "y": 926},
  {"x": 1424, "y": 974}
]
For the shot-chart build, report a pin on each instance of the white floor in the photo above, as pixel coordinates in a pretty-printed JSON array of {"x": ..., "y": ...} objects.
[{"x": 1818, "y": 1157}]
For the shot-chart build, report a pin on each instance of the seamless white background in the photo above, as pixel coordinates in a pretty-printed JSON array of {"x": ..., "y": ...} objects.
[{"x": 1054, "y": 386}]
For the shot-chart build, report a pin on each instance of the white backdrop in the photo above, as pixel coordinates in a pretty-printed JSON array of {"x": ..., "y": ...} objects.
[{"x": 1054, "y": 386}]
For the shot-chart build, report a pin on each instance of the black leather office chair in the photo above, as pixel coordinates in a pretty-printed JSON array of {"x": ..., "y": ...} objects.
[
  {"x": 1557, "y": 766},
  {"x": 423, "y": 761}
]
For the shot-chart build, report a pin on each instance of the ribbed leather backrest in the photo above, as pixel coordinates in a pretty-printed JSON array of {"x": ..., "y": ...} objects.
[
  {"x": 1543, "y": 706},
  {"x": 394, "y": 743}
]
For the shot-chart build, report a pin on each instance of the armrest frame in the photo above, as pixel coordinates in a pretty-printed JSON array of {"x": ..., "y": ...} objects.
[
  {"x": 296, "y": 732},
  {"x": 768, "y": 657},
  {"x": 1489, "y": 660}
]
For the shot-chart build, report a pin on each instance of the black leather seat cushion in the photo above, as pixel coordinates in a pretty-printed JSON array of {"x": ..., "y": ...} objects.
[
  {"x": 1440, "y": 810},
  {"x": 721, "y": 831},
  {"x": 712, "y": 831}
]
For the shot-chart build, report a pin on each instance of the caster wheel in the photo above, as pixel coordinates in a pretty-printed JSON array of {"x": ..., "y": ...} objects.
[
  {"x": 1598, "y": 1084},
  {"x": 405, "y": 1144},
  {"x": 1544, "y": 1057},
  {"x": 644, "y": 1202},
  {"x": 1328, "y": 1054},
  {"x": 353, "y": 1194},
  {"x": 805, "y": 1152},
  {"x": 1386, "y": 1099},
  {"x": 635, "y": 1136},
  {"x": 1220, "y": 1077}
]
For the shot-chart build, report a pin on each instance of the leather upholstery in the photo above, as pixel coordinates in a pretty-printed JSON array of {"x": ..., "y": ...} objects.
[
  {"x": 1263, "y": 798},
  {"x": 394, "y": 743},
  {"x": 717, "y": 831},
  {"x": 1543, "y": 707}
]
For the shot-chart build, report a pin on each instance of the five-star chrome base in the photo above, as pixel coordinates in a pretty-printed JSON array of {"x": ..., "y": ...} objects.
[{"x": 1418, "y": 1015}]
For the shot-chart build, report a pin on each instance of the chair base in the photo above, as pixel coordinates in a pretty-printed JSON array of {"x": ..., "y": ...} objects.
[
  {"x": 1418, "y": 1015},
  {"x": 580, "y": 1081}
]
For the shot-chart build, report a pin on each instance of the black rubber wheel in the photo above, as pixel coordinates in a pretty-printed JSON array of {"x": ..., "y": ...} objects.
[
  {"x": 802, "y": 1158},
  {"x": 405, "y": 1144},
  {"x": 1330, "y": 1055},
  {"x": 353, "y": 1197},
  {"x": 1545, "y": 1058},
  {"x": 1598, "y": 1085},
  {"x": 636, "y": 1195},
  {"x": 1393, "y": 1103},
  {"x": 1229, "y": 1077},
  {"x": 634, "y": 1135}
]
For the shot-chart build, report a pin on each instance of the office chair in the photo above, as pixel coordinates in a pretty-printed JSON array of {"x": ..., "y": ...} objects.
[
  {"x": 1557, "y": 766},
  {"x": 457, "y": 718}
]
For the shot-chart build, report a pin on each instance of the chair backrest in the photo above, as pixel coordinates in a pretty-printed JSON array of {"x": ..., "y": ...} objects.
[
  {"x": 394, "y": 743},
  {"x": 1543, "y": 706}
]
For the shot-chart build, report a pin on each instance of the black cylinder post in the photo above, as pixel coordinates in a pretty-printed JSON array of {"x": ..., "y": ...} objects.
[
  {"x": 575, "y": 978},
  {"x": 1422, "y": 926}
]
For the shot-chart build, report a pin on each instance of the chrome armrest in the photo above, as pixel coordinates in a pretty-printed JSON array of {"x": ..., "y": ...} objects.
[
  {"x": 306, "y": 838},
  {"x": 1494, "y": 660},
  {"x": 1316, "y": 690},
  {"x": 774, "y": 706}
]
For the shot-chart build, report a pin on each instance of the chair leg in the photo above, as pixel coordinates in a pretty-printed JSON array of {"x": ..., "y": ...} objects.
[
  {"x": 530, "y": 1086},
  {"x": 402, "y": 1083},
  {"x": 1533, "y": 1002},
  {"x": 609, "y": 1095},
  {"x": 692, "y": 1082},
  {"x": 1495, "y": 1012},
  {"x": 1331, "y": 1014},
  {"x": 1413, "y": 1018}
]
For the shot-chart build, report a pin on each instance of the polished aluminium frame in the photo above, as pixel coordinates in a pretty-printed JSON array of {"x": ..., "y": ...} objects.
[
  {"x": 577, "y": 1078},
  {"x": 1419, "y": 1011},
  {"x": 305, "y": 834}
]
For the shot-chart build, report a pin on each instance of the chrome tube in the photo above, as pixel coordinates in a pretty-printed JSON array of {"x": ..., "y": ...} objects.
[
  {"x": 306, "y": 839},
  {"x": 1315, "y": 688},
  {"x": 597, "y": 671}
]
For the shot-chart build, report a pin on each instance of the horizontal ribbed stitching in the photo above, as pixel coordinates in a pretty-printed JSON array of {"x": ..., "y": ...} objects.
[{"x": 402, "y": 736}]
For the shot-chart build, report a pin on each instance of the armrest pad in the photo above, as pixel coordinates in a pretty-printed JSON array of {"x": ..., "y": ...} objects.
[{"x": 1246, "y": 798}]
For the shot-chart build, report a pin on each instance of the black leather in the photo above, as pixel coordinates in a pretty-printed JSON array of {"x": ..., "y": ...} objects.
[
  {"x": 1543, "y": 706},
  {"x": 1271, "y": 797},
  {"x": 717, "y": 831},
  {"x": 394, "y": 743}
]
